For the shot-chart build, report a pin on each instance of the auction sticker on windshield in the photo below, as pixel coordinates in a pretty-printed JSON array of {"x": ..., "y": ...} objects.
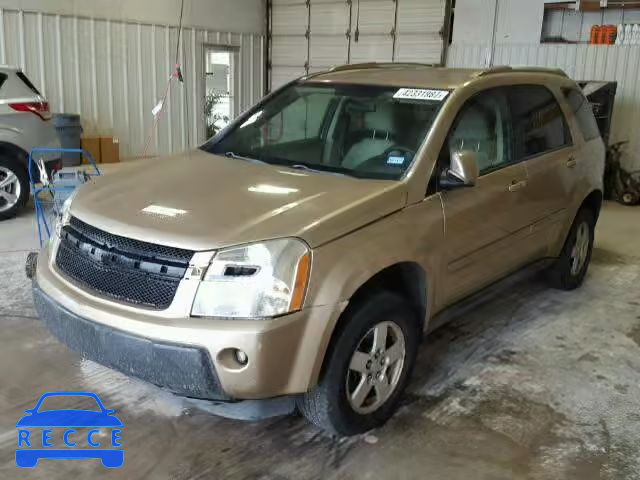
[{"x": 421, "y": 94}]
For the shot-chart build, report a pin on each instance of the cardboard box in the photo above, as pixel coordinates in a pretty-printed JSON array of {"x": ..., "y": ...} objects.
[
  {"x": 91, "y": 145},
  {"x": 109, "y": 150}
]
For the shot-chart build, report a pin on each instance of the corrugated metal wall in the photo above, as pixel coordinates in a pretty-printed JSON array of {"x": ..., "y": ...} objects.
[
  {"x": 113, "y": 73},
  {"x": 581, "y": 62}
]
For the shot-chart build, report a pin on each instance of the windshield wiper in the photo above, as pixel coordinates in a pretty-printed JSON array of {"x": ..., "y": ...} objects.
[
  {"x": 307, "y": 168},
  {"x": 240, "y": 157}
]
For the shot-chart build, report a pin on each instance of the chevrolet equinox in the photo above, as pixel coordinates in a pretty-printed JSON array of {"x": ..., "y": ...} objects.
[{"x": 303, "y": 252}]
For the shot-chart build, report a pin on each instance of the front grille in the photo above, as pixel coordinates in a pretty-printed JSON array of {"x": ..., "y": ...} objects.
[
  {"x": 130, "y": 271},
  {"x": 129, "y": 244}
]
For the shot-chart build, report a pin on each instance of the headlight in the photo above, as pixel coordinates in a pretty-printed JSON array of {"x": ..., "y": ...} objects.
[{"x": 255, "y": 281}]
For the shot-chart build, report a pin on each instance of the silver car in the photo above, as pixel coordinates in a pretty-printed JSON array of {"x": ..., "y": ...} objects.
[{"x": 25, "y": 123}]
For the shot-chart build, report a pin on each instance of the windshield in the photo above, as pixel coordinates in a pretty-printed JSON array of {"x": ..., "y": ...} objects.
[{"x": 358, "y": 130}]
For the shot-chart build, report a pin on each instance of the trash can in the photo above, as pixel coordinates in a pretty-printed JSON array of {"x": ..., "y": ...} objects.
[{"x": 69, "y": 131}]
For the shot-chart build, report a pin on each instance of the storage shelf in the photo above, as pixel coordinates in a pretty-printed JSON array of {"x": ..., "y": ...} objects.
[{"x": 622, "y": 5}]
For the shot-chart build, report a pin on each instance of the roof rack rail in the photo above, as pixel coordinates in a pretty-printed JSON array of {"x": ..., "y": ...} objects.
[
  {"x": 369, "y": 65},
  {"x": 506, "y": 69},
  {"x": 372, "y": 65}
]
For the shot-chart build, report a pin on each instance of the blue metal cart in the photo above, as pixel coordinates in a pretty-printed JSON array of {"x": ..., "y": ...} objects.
[{"x": 58, "y": 186}]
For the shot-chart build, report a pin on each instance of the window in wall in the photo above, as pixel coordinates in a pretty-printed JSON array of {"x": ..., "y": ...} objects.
[
  {"x": 539, "y": 125},
  {"x": 218, "y": 105}
]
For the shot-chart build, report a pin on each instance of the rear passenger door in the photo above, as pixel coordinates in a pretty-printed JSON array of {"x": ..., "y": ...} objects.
[{"x": 542, "y": 141}]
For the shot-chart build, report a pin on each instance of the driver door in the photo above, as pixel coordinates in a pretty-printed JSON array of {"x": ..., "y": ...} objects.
[{"x": 483, "y": 222}]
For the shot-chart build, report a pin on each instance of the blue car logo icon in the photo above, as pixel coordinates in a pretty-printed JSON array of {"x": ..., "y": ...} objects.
[{"x": 32, "y": 446}]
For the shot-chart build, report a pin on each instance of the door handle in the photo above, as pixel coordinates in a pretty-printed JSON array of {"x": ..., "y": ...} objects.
[
  {"x": 572, "y": 162},
  {"x": 515, "y": 185}
]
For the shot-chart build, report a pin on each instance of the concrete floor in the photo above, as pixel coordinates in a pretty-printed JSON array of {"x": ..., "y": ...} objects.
[{"x": 534, "y": 384}]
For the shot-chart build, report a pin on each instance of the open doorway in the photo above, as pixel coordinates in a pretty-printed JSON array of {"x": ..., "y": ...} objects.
[{"x": 218, "y": 106}]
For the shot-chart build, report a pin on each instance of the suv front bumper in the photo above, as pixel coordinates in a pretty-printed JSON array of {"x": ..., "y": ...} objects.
[
  {"x": 185, "y": 370},
  {"x": 189, "y": 356}
]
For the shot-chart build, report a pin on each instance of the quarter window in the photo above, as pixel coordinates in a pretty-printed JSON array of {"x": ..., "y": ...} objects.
[
  {"x": 539, "y": 126},
  {"x": 583, "y": 111}
]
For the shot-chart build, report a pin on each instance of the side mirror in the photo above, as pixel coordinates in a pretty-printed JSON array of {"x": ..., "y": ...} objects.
[{"x": 463, "y": 171}]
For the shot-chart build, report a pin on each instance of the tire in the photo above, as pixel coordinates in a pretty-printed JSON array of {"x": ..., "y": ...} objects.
[
  {"x": 14, "y": 196},
  {"x": 564, "y": 274},
  {"x": 31, "y": 265},
  {"x": 327, "y": 405}
]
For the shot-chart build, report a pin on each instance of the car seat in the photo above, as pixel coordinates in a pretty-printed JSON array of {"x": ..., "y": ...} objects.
[{"x": 378, "y": 137}]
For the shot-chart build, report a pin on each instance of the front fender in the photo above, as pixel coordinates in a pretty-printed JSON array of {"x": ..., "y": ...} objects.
[{"x": 341, "y": 267}]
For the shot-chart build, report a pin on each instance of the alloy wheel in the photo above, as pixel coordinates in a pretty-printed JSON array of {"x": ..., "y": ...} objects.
[
  {"x": 375, "y": 367},
  {"x": 10, "y": 189},
  {"x": 580, "y": 249}
]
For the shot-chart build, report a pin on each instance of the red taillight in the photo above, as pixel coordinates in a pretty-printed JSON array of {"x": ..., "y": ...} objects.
[{"x": 39, "y": 108}]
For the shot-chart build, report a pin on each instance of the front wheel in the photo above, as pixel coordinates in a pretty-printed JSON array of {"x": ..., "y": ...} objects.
[
  {"x": 367, "y": 368},
  {"x": 569, "y": 270}
]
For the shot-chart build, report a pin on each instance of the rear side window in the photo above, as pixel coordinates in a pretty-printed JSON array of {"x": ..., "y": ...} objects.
[
  {"x": 3, "y": 78},
  {"x": 581, "y": 107},
  {"x": 27, "y": 82},
  {"x": 539, "y": 126}
]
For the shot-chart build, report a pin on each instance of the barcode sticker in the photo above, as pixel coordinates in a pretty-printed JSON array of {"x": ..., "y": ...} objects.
[{"x": 421, "y": 94}]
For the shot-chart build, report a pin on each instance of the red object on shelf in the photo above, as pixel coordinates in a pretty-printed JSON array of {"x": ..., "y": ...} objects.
[
  {"x": 596, "y": 31},
  {"x": 611, "y": 31}
]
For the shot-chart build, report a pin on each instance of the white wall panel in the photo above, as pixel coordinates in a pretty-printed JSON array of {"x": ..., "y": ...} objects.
[
  {"x": 583, "y": 63},
  {"x": 243, "y": 16},
  {"x": 372, "y": 48},
  {"x": 113, "y": 73},
  {"x": 419, "y": 27},
  {"x": 289, "y": 40},
  {"x": 328, "y": 51},
  {"x": 341, "y": 31}
]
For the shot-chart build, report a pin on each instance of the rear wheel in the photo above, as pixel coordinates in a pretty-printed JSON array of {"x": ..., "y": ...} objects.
[
  {"x": 14, "y": 187},
  {"x": 367, "y": 368},
  {"x": 569, "y": 270}
]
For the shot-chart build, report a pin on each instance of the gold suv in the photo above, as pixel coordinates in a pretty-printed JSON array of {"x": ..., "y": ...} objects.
[{"x": 300, "y": 255}]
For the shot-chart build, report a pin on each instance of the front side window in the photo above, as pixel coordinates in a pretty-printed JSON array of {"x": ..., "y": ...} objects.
[
  {"x": 539, "y": 126},
  {"x": 358, "y": 130},
  {"x": 482, "y": 127}
]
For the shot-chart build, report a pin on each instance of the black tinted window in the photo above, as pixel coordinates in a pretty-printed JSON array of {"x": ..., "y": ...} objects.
[
  {"x": 584, "y": 114},
  {"x": 539, "y": 125}
]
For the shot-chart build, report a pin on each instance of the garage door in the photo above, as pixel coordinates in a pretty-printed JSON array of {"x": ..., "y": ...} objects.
[{"x": 307, "y": 37}]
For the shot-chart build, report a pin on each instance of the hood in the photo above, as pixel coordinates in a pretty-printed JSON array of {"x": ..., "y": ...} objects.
[{"x": 200, "y": 201}]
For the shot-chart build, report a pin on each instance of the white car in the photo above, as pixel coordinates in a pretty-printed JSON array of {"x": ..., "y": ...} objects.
[{"x": 25, "y": 123}]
